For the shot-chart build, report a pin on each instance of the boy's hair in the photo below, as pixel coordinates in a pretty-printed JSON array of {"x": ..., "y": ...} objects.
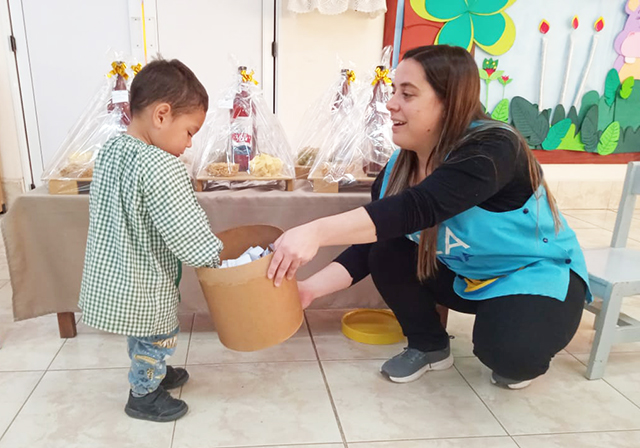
[{"x": 168, "y": 82}]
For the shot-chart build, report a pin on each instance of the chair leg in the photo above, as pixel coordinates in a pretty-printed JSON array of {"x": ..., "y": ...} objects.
[
  {"x": 597, "y": 319},
  {"x": 606, "y": 322}
]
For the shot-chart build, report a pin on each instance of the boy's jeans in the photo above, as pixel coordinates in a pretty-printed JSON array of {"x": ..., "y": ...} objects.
[{"x": 148, "y": 365}]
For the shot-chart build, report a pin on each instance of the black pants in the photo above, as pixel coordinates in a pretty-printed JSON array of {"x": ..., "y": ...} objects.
[{"x": 516, "y": 336}]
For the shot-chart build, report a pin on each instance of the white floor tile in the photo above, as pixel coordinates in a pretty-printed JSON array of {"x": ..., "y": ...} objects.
[
  {"x": 15, "y": 388},
  {"x": 206, "y": 347},
  {"x": 623, "y": 373},
  {"x": 438, "y": 405},
  {"x": 332, "y": 344},
  {"x": 93, "y": 348},
  {"x": 30, "y": 344},
  {"x": 576, "y": 223},
  {"x": 595, "y": 238},
  {"x": 562, "y": 400},
  {"x": 256, "y": 404},
  {"x": 621, "y": 439},
  {"x": 475, "y": 442},
  {"x": 6, "y": 307},
  {"x": 83, "y": 408}
]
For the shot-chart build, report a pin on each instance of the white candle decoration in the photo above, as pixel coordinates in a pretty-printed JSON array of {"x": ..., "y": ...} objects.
[
  {"x": 585, "y": 75},
  {"x": 574, "y": 25},
  {"x": 543, "y": 60},
  {"x": 598, "y": 26}
]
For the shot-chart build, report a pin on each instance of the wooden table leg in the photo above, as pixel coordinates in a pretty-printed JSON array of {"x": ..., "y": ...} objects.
[
  {"x": 67, "y": 325},
  {"x": 444, "y": 314}
]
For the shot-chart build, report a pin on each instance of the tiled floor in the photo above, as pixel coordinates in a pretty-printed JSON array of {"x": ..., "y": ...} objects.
[{"x": 318, "y": 389}]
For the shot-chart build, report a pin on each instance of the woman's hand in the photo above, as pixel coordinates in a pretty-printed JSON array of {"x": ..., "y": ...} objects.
[
  {"x": 295, "y": 248},
  {"x": 307, "y": 293},
  {"x": 332, "y": 278}
]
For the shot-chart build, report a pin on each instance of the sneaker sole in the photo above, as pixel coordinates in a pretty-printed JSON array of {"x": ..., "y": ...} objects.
[
  {"x": 516, "y": 386},
  {"x": 153, "y": 418},
  {"x": 440, "y": 365}
]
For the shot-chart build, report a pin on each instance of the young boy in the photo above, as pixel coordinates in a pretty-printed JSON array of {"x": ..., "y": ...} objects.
[{"x": 144, "y": 221}]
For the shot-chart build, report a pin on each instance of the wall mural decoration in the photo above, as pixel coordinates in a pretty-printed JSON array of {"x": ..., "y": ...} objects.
[{"x": 575, "y": 97}]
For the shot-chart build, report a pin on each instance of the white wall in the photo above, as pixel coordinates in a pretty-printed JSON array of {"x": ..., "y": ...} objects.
[
  {"x": 10, "y": 157},
  {"x": 523, "y": 60},
  {"x": 310, "y": 46}
]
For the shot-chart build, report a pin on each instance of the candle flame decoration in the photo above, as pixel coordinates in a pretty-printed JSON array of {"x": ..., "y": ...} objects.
[
  {"x": 599, "y": 24},
  {"x": 575, "y": 23},
  {"x": 544, "y": 27}
]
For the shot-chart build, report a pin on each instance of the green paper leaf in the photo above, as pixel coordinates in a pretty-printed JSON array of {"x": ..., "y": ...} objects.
[
  {"x": 487, "y": 30},
  {"x": 571, "y": 141},
  {"x": 589, "y": 99},
  {"x": 558, "y": 114},
  {"x": 486, "y": 6},
  {"x": 611, "y": 85},
  {"x": 605, "y": 114},
  {"x": 589, "y": 130},
  {"x": 627, "y": 111},
  {"x": 501, "y": 112},
  {"x": 446, "y": 10},
  {"x": 609, "y": 140},
  {"x": 557, "y": 132},
  {"x": 629, "y": 141},
  {"x": 533, "y": 126},
  {"x": 483, "y": 74},
  {"x": 457, "y": 32},
  {"x": 496, "y": 74},
  {"x": 573, "y": 115},
  {"x": 627, "y": 87},
  {"x": 509, "y": 81}
]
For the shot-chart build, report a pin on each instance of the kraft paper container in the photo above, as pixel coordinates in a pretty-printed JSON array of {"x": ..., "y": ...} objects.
[{"x": 249, "y": 312}]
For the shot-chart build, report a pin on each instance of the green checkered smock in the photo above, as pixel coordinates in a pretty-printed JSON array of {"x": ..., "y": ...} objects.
[{"x": 144, "y": 221}]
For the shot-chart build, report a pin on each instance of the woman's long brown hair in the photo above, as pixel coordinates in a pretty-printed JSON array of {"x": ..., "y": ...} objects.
[{"x": 453, "y": 75}]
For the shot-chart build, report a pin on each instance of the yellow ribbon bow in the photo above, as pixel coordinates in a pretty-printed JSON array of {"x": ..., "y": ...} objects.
[
  {"x": 381, "y": 75},
  {"x": 351, "y": 76},
  {"x": 118, "y": 69},
  {"x": 248, "y": 77},
  {"x": 136, "y": 69}
]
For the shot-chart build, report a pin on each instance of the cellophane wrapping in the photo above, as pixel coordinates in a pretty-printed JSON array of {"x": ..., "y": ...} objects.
[
  {"x": 242, "y": 143},
  {"x": 107, "y": 115}
]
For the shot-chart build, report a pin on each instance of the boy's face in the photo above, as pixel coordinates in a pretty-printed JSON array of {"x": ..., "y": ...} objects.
[{"x": 173, "y": 133}]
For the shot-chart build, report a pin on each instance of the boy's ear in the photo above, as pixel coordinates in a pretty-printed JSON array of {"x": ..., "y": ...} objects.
[{"x": 161, "y": 112}]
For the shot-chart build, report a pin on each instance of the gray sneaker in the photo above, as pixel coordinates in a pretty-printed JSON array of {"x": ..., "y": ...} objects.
[
  {"x": 411, "y": 364},
  {"x": 501, "y": 381}
]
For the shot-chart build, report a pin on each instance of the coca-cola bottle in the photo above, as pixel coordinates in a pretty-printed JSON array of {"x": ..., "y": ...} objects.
[
  {"x": 120, "y": 95},
  {"x": 242, "y": 124},
  {"x": 376, "y": 125}
]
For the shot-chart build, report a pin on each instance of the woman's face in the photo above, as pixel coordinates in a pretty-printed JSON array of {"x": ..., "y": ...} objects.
[{"x": 416, "y": 110}]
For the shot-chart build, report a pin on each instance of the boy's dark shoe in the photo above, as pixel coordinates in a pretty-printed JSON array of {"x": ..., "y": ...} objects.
[
  {"x": 157, "y": 406},
  {"x": 175, "y": 377}
]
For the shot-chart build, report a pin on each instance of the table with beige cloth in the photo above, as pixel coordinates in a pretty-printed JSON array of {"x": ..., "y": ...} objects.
[{"x": 45, "y": 237}]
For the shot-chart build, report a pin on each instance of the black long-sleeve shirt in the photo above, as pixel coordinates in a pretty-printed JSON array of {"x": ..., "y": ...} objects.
[{"x": 488, "y": 171}]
